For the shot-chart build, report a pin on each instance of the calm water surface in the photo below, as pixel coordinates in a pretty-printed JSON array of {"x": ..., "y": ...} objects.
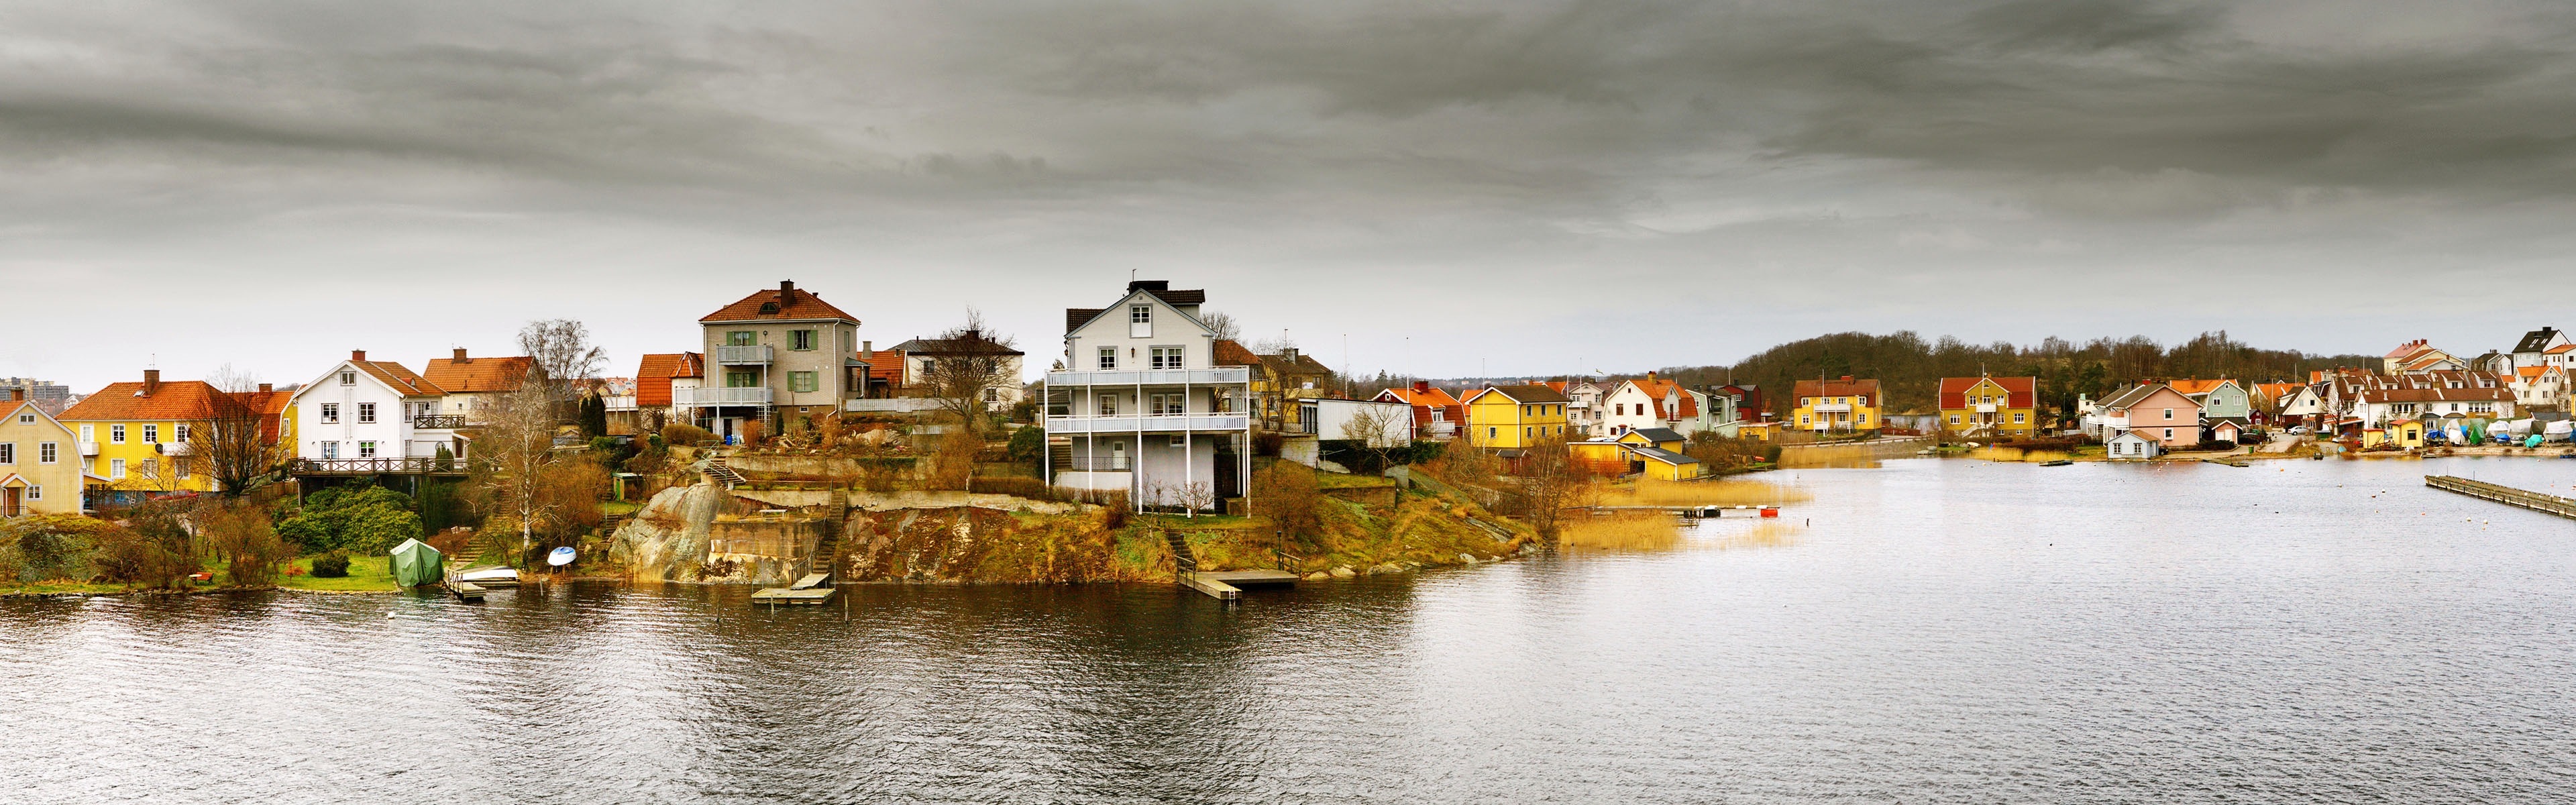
[{"x": 1938, "y": 631}]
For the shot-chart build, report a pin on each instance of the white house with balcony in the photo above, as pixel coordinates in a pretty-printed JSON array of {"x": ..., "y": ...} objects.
[
  {"x": 374, "y": 417},
  {"x": 1140, "y": 405}
]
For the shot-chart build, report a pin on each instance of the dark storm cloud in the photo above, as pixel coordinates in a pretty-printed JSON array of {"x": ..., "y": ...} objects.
[{"x": 1919, "y": 155}]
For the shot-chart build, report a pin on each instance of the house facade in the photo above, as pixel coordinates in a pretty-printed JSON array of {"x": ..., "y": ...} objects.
[
  {"x": 2005, "y": 405},
  {"x": 1748, "y": 401},
  {"x": 1513, "y": 418},
  {"x": 134, "y": 436},
  {"x": 2547, "y": 346},
  {"x": 2540, "y": 388},
  {"x": 919, "y": 354},
  {"x": 1582, "y": 405},
  {"x": 474, "y": 385},
  {"x": 1436, "y": 415},
  {"x": 375, "y": 417},
  {"x": 2220, "y": 401},
  {"x": 658, "y": 376},
  {"x": 2153, "y": 411},
  {"x": 1279, "y": 381},
  {"x": 1144, "y": 407},
  {"x": 40, "y": 467},
  {"x": 2129, "y": 444},
  {"x": 1649, "y": 402},
  {"x": 773, "y": 357},
  {"x": 1836, "y": 405}
]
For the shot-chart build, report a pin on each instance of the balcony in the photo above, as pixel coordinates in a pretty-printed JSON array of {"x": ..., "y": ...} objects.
[
  {"x": 438, "y": 422},
  {"x": 170, "y": 448},
  {"x": 1218, "y": 376},
  {"x": 1987, "y": 408},
  {"x": 89, "y": 449},
  {"x": 1828, "y": 407},
  {"x": 710, "y": 397},
  {"x": 1159, "y": 423},
  {"x": 754, "y": 355},
  {"x": 428, "y": 465}
]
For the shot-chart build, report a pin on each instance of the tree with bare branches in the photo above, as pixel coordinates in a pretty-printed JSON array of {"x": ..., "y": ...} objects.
[
  {"x": 970, "y": 364},
  {"x": 234, "y": 447},
  {"x": 1223, "y": 325},
  {"x": 513, "y": 453},
  {"x": 1551, "y": 481},
  {"x": 563, "y": 361},
  {"x": 1377, "y": 431}
]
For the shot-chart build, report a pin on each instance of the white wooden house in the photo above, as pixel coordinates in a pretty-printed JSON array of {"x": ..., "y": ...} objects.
[
  {"x": 1141, "y": 405},
  {"x": 373, "y": 417}
]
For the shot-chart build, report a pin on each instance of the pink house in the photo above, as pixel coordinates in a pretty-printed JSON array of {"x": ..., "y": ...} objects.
[{"x": 2154, "y": 411}]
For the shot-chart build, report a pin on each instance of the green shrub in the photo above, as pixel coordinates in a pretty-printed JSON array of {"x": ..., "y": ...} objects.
[
  {"x": 1027, "y": 444},
  {"x": 333, "y": 565},
  {"x": 49, "y": 546},
  {"x": 366, "y": 519}
]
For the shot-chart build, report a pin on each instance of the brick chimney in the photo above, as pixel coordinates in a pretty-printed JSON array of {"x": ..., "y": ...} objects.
[
  {"x": 786, "y": 291},
  {"x": 460, "y": 355},
  {"x": 265, "y": 388},
  {"x": 17, "y": 394},
  {"x": 1422, "y": 386},
  {"x": 357, "y": 354},
  {"x": 151, "y": 381},
  {"x": 867, "y": 349}
]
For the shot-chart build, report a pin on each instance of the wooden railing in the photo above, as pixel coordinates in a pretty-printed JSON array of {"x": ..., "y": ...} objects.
[
  {"x": 438, "y": 421},
  {"x": 2553, "y": 504},
  {"x": 428, "y": 465}
]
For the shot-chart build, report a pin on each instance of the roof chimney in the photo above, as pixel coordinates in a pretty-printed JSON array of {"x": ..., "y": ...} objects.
[
  {"x": 17, "y": 394},
  {"x": 1148, "y": 285},
  {"x": 1422, "y": 386},
  {"x": 1650, "y": 374},
  {"x": 867, "y": 349},
  {"x": 357, "y": 354},
  {"x": 460, "y": 355},
  {"x": 265, "y": 388},
  {"x": 786, "y": 290},
  {"x": 151, "y": 381}
]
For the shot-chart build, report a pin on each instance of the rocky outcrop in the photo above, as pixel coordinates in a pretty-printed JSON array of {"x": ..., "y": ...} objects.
[{"x": 667, "y": 539}]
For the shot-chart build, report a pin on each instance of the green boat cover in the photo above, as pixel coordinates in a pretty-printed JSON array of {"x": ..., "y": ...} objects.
[{"x": 415, "y": 563}]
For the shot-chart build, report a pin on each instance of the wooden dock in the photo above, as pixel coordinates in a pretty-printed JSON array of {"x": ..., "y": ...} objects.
[
  {"x": 465, "y": 590},
  {"x": 2551, "y": 504},
  {"x": 1228, "y": 585},
  {"x": 792, "y": 596}
]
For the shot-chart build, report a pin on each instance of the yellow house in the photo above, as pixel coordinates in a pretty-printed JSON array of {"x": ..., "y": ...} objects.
[
  {"x": 1664, "y": 465},
  {"x": 2407, "y": 434},
  {"x": 1633, "y": 454},
  {"x": 133, "y": 437},
  {"x": 1844, "y": 404},
  {"x": 1514, "y": 417},
  {"x": 2007, "y": 405},
  {"x": 1757, "y": 431},
  {"x": 1660, "y": 438},
  {"x": 39, "y": 461}
]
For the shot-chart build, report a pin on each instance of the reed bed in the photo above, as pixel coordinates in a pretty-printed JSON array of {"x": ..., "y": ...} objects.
[
  {"x": 1639, "y": 531},
  {"x": 2018, "y": 454},
  {"x": 1651, "y": 492},
  {"x": 1824, "y": 456}
]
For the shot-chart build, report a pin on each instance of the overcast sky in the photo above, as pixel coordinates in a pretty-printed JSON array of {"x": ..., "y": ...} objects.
[{"x": 1513, "y": 188}]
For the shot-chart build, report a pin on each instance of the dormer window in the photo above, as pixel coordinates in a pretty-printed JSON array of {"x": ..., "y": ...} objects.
[{"x": 768, "y": 308}]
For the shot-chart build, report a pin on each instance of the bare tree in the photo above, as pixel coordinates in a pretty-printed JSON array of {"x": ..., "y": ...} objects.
[
  {"x": 1552, "y": 481},
  {"x": 1377, "y": 431},
  {"x": 237, "y": 447},
  {"x": 971, "y": 363},
  {"x": 513, "y": 452},
  {"x": 564, "y": 361},
  {"x": 1273, "y": 345},
  {"x": 1225, "y": 327}
]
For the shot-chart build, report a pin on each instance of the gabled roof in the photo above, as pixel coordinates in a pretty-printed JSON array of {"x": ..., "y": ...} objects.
[
  {"x": 174, "y": 400},
  {"x": 1076, "y": 317},
  {"x": 9, "y": 410},
  {"x": 2019, "y": 392},
  {"x": 1433, "y": 396},
  {"x": 784, "y": 303},
  {"x": 1663, "y": 455},
  {"x": 954, "y": 346},
  {"x": 887, "y": 365},
  {"x": 2131, "y": 433},
  {"x": 2435, "y": 394},
  {"x": 1655, "y": 388},
  {"x": 1845, "y": 387},
  {"x": 2536, "y": 340},
  {"x": 2193, "y": 387},
  {"x": 2131, "y": 396},
  {"x": 1655, "y": 435},
  {"x": 404, "y": 381},
  {"x": 1521, "y": 394},
  {"x": 2279, "y": 390},
  {"x": 1226, "y": 352},
  {"x": 653, "y": 376},
  {"x": 2562, "y": 348},
  {"x": 459, "y": 376}
]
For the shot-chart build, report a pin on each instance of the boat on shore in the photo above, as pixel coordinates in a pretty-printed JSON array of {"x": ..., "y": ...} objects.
[
  {"x": 2058, "y": 463},
  {"x": 489, "y": 577}
]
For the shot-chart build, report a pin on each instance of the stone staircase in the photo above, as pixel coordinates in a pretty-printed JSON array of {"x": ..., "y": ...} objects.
[
  {"x": 1183, "y": 562},
  {"x": 718, "y": 471}
]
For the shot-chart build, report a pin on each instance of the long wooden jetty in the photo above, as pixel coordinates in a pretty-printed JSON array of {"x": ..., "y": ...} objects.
[
  {"x": 812, "y": 590},
  {"x": 1228, "y": 585},
  {"x": 2552, "y": 504}
]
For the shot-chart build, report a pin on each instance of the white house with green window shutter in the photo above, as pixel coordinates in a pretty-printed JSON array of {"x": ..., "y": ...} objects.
[
  {"x": 775, "y": 357},
  {"x": 1141, "y": 405}
]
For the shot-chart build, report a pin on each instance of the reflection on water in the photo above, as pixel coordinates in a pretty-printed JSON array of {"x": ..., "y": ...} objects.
[{"x": 1943, "y": 631}]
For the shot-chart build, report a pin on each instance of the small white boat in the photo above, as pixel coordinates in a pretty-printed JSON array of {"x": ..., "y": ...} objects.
[{"x": 488, "y": 577}]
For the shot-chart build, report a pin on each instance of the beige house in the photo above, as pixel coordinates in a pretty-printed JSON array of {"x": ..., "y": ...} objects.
[
  {"x": 774, "y": 358},
  {"x": 40, "y": 467}
]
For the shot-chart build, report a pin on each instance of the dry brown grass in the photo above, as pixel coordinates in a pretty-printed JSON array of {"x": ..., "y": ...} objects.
[
  {"x": 2017, "y": 454},
  {"x": 1651, "y": 492},
  {"x": 1624, "y": 532},
  {"x": 1831, "y": 456}
]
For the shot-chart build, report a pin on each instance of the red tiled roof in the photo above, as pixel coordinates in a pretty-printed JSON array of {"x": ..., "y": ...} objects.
[
  {"x": 2019, "y": 392},
  {"x": 1231, "y": 353},
  {"x": 888, "y": 365},
  {"x": 653, "y": 377},
  {"x": 2278, "y": 390},
  {"x": 1522, "y": 394},
  {"x": 478, "y": 374},
  {"x": 403, "y": 380},
  {"x": 1655, "y": 389},
  {"x": 2189, "y": 386},
  {"x": 2560, "y": 348},
  {"x": 1432, "y": 396},
  {"x": 175, "y": 400},
  {"x": 793, "y": 304}
]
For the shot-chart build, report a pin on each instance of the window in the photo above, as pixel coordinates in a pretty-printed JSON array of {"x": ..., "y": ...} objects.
[
  {"x": 1165, "y": 404},
  {"x": 47, "y": 452},
  {"x": 992, "y": 395},
  {"x": 1166, "y": 358},
  {"x": 36, "y": 492},
  {"x": 330, "y": 450},
  {"x": 1109, "y": 405},
  {"x": 348, "y": 378},
  {"x": 151, "y": 434},
  {"x": 1954, "y": 419},
  {"x": 2168, "y": 433},
  {"x": 1489, "y": 433},
  {"x": 116, "y": 434},
  {"x": 800, "y": 381},
  {"x": 89, "y": 433},
  {"x": 116, "y": 469},
  {"x": 1140, "y": 314},
  {"x": 741, "y": 338},
  {"x": 800, "y": 339},
  {"x": 2017, "y": 417},
  {"x": 1180, "y": 440},
  {"x": 180, "y": 464},
  {"x": 8, "y": 452},
  {"x": 26, "y": 419},
  {"x": 179, "y": 433},
  {"x": 2168, "y": 414},
  {"x": 1108, "y": 357},
  {"x": 330, "y": 413},
  {"x": 366, "y": 449},
  {"x": 366, "y": 412},
  {"x": 741, "y": 380},
  {"x": 1863, "y": 419}
]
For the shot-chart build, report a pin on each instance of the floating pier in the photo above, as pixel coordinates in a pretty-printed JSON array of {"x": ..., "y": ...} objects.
[
  {"x": 1228, "y": 585},
  {"x": 809, "y": 596},
  {"x": 465, "y": 590},
  {"x": 2551, "y": 504}
]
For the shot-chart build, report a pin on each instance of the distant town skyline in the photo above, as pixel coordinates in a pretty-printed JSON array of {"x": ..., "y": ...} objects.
[{"x": 1501, "y": 189}]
